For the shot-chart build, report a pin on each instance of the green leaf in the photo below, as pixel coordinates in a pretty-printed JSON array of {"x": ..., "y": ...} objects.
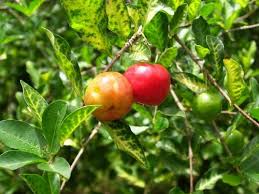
[
  {"x": 51, "y": 121},
  {"x": 247, "y": 56},
  {"x": 88, "y": 17},
  {"x": 255, "y": 113},
  {"x": 156, "y": 31},
  {"x": 126, "y": 140},
  {"x": 15, "y": 159},
  {"x": 250, "y": 165},
  {"x": 156, "y": 7},
  {"x": 191, "y": 81},
  {"x": 168, "y": 56},
  {"x": 176, "y": 190},
  {"x": 193, "y": 9},
  {"x": 60, "y": 166},
  {"x": 26, "y": 10},
  {"x": 160, "y": 122},
  {"x": 208, "y": 183},
  {"x": 254, "y": 87},
  {"x": 118, "y": 17},
  {"x": 37, "y": 184},
  {"x": 22, "y": 136},
  {"x": 66, "y": 63},
  {"x": 201, "y": 51},
  {"x": 200, "y": 29},
  {"x": 54, "y": 182},
  {"x": 142, "y": 110},
  {"x": 36, "y": 103},
  {"x": 73, "y": 120},
  {"x": 34, "y": 73},
  {"x": 177, "y": 18},
  {"x": 235, "y": 83},
  {"x": 133, "y": 180},
  {"x": 233, "y": 180},
  {"x": 216, "y": 52}
]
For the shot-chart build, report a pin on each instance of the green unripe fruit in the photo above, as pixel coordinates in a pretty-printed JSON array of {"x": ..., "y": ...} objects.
[
  {"x": 207, "y": 105},
  {"x": 235, "y": 141}
]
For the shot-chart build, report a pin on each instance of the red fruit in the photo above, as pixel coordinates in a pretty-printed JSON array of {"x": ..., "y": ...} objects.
[
  {"x": 113, "y": 92},
  {"x": 150, "y": 83}
]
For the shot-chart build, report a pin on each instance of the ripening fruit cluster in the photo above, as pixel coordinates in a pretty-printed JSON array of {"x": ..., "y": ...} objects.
[{"x": 142, "y": 83}]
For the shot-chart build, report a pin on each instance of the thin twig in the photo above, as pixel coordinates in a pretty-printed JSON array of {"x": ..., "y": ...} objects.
[
  {"x": 243, "y": 28},
  {"x": 189, "y": 131},
  {"x": 123, "y": 49},
  {"x": 228, "y": 112},
  {"x": 248, "y": 14},
  {"x": 190, "y": 153},
  {"x": 213, "y": 81},
  {"x": 81, "y": 151},
  {"x": 216, "y": 129},
  {"x": 222, "y": 140}
]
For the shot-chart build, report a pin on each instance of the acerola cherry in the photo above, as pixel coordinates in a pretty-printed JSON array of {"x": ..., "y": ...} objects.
[
  {"x": 207, "y": 105},
  {"x": 235, "y": 141},
  {"x": 113, "y": 92},
  {"x": 150, "y": 83}
]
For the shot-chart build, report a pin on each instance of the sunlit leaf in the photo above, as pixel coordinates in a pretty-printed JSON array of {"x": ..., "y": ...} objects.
[
  {"x": 118, "y": 17},
  {"x": 59, "y": 165},
  {"x": 216, "y": 52},
  {"x": 34, "y": 100},
  {"x": 208, "y": 183},
  {"x": 201, "y": 51},
  {"x": 66, "y": 63},
  {"x": 73, "y": 120},
  {"x": 88, "y": 17},
  {"x": 126, "y": 141},
  {"x": 15, "y": 159},
  {"x": 193, "y": 9},
  {"x": 177, "y": 18},
  {"x": 156, "y": 30},
  {"x": 235, "y": 83},
  {"x": 26, "y": 10},
  {"x": 22, "y": 136},
  {"x": 191, "y": 81},
  {"x": 51, "y": 121},
  {"x": 168, "y": 56}
]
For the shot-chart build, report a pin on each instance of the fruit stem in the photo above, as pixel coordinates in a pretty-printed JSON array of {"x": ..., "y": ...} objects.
[
  {"x": 213, "y": 82},
  {"x": 189, "y": 132},
  {"x": 133, "y": 39},
  {"x": 81, "y": 151}
]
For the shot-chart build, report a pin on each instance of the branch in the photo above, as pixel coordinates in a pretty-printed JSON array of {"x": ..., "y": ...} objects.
[
  {"x": 213, "y": 82},
  {"x": 246, "y": 15},
  {"x": 123, "y": 49},
  {"x": 189, "y": 131},
  {"x": 216, "y": 129},
  {"x": 81, "y": 151},
  {"x": 243, "y": 28}
]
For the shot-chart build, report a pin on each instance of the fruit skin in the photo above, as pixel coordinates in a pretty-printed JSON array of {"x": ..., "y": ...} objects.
[
  {"x": 150, "y": 83},
  {"x": 207, "y": 105},
  {"x": 113, "y": 92},
  {"x": 235, "y": 141}
]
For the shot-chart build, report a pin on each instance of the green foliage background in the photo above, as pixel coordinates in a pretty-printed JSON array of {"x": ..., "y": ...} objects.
[{"x": 89, "y": 33}]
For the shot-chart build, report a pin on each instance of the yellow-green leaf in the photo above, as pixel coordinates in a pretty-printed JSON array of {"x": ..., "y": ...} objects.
[
  {"x": 66, "y": 63},
  {"x": 88, "y": 17},
  {"x": 118, "y": 17},
  {"x": 36, "y": 103},
  {"x": 73, "y": 120},
  {"x": 126, "y": 140},
  {"x": 235, "y": 84}
]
